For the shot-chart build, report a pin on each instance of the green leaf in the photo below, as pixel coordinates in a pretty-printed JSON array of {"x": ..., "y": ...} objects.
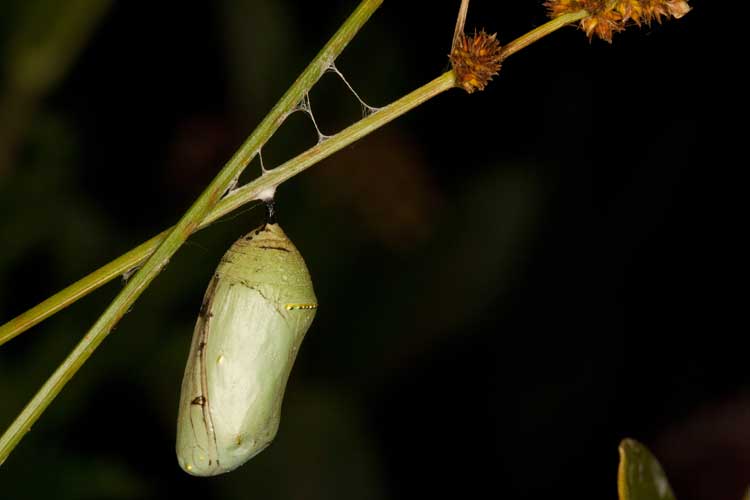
[{"x": 640, "y": 476}]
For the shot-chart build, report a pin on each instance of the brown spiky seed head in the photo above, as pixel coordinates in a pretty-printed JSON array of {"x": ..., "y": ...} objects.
[
  {"x": 610, "y": 16},
  {"x": 475, "y": 60}
]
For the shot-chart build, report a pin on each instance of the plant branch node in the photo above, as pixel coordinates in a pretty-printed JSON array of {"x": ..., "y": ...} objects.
[{"x": 475, "y": 60}]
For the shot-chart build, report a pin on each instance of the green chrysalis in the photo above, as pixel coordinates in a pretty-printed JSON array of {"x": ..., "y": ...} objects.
[{"x": 254, "y": 316}]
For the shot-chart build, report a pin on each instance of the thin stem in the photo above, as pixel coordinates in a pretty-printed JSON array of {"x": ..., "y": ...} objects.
[
  {"x": 239, "y": 197},
  {"x": 235, "y": 200},
  {"x": 540, "y": 32},
  {"x": 186, "y": 226},
  {"x": 460, "y": 22}
]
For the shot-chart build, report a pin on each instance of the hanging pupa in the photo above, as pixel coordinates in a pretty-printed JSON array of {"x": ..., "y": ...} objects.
[{"x": 255, "y": 313}]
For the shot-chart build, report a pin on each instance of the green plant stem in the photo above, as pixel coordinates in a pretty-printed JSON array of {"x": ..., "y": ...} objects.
[
  {"x": 186, "y": 226},
  {"x": 205, "y": 209},
  {"x": 540, "y": 32},
  {"x": 241, "y": 196},
  {"x": 231, "y": 202}
]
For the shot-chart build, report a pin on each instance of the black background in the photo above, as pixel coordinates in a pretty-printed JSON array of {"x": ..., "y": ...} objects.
[{"x": 510, "y": 282}]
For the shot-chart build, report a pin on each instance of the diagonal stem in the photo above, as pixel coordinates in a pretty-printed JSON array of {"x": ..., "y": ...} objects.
[
  {"x": 184, "y": 228},
  {"x": 208, "y": 208},
  {"x": 229, "y": 203},
  {"x": 137, "y": 255},
  {"x": 541, "y": 31}
]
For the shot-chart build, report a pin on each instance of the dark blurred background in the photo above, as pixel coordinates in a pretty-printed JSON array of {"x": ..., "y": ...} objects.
[{"x": 510, "y": 282}]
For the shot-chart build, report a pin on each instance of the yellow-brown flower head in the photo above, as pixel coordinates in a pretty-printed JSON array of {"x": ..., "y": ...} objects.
[
  {"x": 610, "y": 16},
  {"x": 475, "y": 60}
]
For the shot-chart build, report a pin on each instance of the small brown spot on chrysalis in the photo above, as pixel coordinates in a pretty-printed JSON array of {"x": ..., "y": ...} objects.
[{"x": 199, "y": 401}]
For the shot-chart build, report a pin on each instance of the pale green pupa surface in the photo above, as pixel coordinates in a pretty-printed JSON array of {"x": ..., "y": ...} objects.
[{"x": 256, "y": 311}]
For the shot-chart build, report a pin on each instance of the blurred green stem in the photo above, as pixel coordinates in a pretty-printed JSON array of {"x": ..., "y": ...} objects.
[
  {"x": 208, "y": 208},
  {"x": 45, "y": 42},
  {"x": 188, "y": 224}
]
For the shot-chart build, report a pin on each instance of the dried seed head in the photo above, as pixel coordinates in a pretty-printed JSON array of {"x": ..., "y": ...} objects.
[
  {"x": 610, "y": 16},
  {"x": 475, "y": 60}
]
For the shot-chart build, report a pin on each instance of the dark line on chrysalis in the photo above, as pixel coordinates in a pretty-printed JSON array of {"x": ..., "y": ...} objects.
[
  {"x": 202, "y": 377},
  {"x": 204, "y": 311},
  {"x": 274, "y": 248}
]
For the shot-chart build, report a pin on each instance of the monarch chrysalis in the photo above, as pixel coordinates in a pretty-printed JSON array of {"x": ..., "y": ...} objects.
[{"x": 255, "y": 313}]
